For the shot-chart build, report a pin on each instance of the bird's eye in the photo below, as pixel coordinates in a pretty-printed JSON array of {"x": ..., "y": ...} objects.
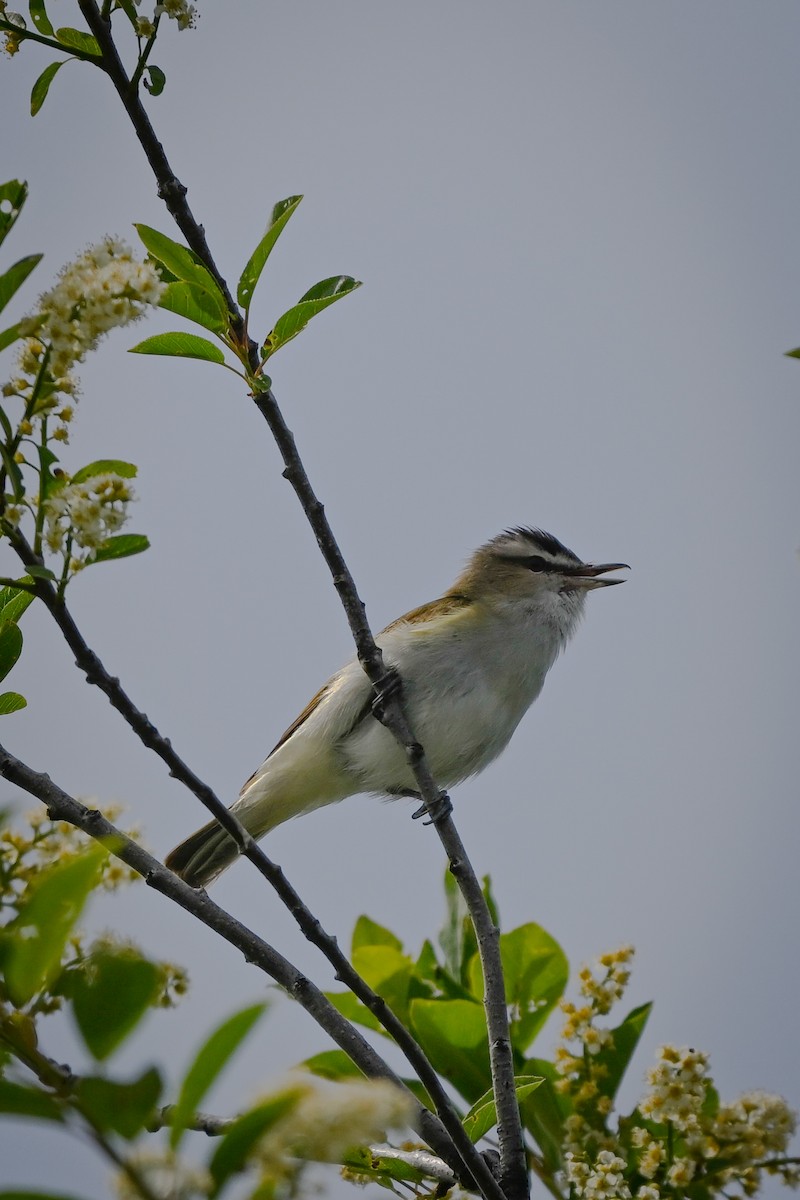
[{"x": 535, "y": 562}]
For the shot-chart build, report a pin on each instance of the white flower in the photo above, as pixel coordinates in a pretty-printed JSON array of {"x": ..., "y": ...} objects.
[
  {"x": 89, "y": 512},
  {"x": 677, "y": 1088}
]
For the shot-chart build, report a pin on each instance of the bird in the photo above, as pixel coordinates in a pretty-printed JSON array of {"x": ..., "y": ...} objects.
[{"x": 470, "y": 663}]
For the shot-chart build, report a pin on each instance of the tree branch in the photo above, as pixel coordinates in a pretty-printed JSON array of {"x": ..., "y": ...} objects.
[
  {"x": 91, "y": 665},
  {"x": 63, "y": 807},
  {"x": 513, "y": 1172}
]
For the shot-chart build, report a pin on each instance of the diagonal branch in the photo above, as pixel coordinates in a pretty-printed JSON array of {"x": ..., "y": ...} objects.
[
  {"x": 92, "y": 667},
  {"x": 513, "y": 1170},
  {"x": 63, "y": 807}
]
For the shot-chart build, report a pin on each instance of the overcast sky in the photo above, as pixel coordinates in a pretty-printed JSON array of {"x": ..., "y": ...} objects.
[{"x": 577, "y": 225}]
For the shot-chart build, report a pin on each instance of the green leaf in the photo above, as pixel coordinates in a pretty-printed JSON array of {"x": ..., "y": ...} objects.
[
  {"x": 536, "y": 972},
  {"x": 14, "y": 601},
  {"x": 11, "y": 702},
  {"x": 388, "y": 972},
  {"x": 483, "y": 1115},
  {"x": 105, "y": 466},
  {"x": 281, "y": 213},
  {"x": 544, "y": 1112},
  {"x": 180, "y": 345},
  {"x": 239, "y": 1141},
  {"x": 155, "y": 79},
  {"x": 369, "y": 933},
  {"x": 352, "y": 1008},
  {"x": 10, "y": 335},
  {"x": 382, "y": 1170},
  {"x": 294, "y": 321},
  {"x": 125, "y": 1108},
  {"x": 13, "y": 195},
  {"x": 453, "y": 1035},
  {"x": 42, "y": 85},
  {"x": 180, "y": 261},
  {"x": 793, "y": 353},
  {"x": 38, "y": 935},
  {"x": 110, "y": 997},
  {"x": 76, "y": 39},
  {"x": 13, "y": 472},
  {"x": 41, "y": 573},
  {"x": 28, "y": 1102},
  {"x": 121, "y": 545},
  {"x": 616, "y": 1057},
  {"x": 15, "y": 276},
  {"x": 10, "y": 647},
  {"x": 196, "y": 304},
  {"x": 209, "y": 1061},
  {"x": 332, "y": 1064},
  {"x": 17, "y": 1194},
  {"x": 40, "y": 18}
]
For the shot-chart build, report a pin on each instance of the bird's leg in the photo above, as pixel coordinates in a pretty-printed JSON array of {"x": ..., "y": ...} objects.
[
  {"x": 441, "y": 807},
  {"x": 387, "y": 688}
]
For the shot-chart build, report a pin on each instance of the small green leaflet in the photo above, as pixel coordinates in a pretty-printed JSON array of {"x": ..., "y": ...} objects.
[
  {"x": 180, "y": 345},
  {"x": 14, "y": 193},
  {"x": 209, "y": 1061},
  {"x": 281, "y": 213},
  {"x": 15, "y": 276},
  {"x": 483, "y": 1115},
  {"x": 294, "y": 321},
  {"x": 105, "y": 466},
  {"x": 11, "y": 702},
  {"x": 155, "y": 81},
  {"x": 42, "y": 86},
  {"x": 76, "y": 39},
  {"x": 196, "y": 304},
  {"x": 121, "y": 545},
  {"x": 180, "y": 261}
]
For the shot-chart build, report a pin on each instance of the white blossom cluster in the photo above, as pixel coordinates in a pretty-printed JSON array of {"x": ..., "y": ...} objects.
[
  {"x": 81, "y": 516},
  {"x": 677, "y": 1088},
  {"x": 184, "y": 15}
]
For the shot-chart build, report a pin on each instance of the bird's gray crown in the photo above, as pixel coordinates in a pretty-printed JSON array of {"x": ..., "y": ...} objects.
[{"x": 525, "y": 543}]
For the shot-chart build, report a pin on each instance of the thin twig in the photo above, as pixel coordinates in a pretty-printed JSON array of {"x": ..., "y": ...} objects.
[
  {"x": 91, "y": 665},
  {"x": 513, "y": 1174},
  {"x": 63, "y": 807}
]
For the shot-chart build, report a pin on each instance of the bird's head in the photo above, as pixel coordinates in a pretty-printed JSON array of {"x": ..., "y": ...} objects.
[{"x": 532, "y": 568}]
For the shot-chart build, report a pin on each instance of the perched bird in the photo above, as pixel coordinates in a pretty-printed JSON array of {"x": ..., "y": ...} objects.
[{"x": 471, "y": 664}]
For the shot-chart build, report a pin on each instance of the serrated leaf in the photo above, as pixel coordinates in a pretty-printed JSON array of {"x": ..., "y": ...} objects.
[
  {"x": 40, "y": 18},
  {"x": 125, "y": 1108},
  {"x": 13, "y": 195},
  {"x": 317, "y": 298},
  {"x": 182, "y": 262},
  {"x": 76, "y": 39},
  {"x": 42, "y": 85},
  {"x": 11, "y": 702},
  {"x": 10, "y": 647},
  {"x": 195, "y": 304},
  {"x": 239, "y": 1141},
  {"x": 105, "y": 466},
  {"x": 155, "y": 81},
  {"x": 483, "y": 1115},
  {"x": 15, "y": 276},
  {"x": 281, "y": 213},
  {"x": 110, "y": 997},
  {"x": 38, "y": 935},
  {"x": 121, "y": 545},
  {"x": 209, "y": 1061},
  {"x": 180, "y": 345},
  {"x": 28, "y": 1102}
]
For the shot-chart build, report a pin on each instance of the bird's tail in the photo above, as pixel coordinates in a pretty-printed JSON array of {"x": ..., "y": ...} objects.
[{"x": 203, "y": 856}]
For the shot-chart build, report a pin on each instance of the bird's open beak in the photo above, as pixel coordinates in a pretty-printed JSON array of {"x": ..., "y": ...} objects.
[{"x": 586, "y": 576}]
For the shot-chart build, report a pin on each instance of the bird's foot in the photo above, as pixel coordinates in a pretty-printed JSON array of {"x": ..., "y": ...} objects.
[
  {"x": 441, "y": 807},
  {"x": 387, "y": 688}
]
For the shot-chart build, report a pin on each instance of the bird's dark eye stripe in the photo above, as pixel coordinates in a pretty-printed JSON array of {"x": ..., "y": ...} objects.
[{"x": 535, "y": 562}]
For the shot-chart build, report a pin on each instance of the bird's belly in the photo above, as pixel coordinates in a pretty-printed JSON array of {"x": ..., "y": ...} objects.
[{"x": 462, "y": 727}]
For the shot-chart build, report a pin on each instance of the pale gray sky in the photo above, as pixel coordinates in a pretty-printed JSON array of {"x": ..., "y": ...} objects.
[{"x": 577, "y": 227}]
